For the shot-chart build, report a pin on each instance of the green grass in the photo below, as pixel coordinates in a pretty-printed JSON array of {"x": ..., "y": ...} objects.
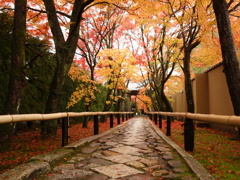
[{"x": 217, "y": 151}]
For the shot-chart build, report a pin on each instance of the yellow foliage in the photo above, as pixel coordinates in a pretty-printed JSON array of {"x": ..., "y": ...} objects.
[
  {"x": 86, "y": 89},
  {"x": 108, "y": 102},
  {"x": 116, "y": 67}
]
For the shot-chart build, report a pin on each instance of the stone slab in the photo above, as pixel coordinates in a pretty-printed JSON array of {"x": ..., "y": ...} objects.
[
  {"x": 88, "y": 150},
  {"x": 149, "y": 162},
  {"x": 76, "y": 173},
  {"x": 111, "y": 143},
  {"x": 117, "y": 170},
  {"x": 141, "y": 177},
  {"x": 125, "y": 150},
  {"x": 95, "y": 176},
  {"x": 160, "y": 173},
  {"x": 110, "y": 153},
  {"x": 135, "y": 164},
  {"x": 122, "y": 158},
  {"x": 100, "y": 161}
]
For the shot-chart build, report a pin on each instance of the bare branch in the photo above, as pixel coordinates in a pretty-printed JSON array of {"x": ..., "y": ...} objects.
[{"x": 43, "y": 11}]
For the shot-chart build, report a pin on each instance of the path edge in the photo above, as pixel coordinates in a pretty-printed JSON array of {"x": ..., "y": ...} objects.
[{"x": 193, "y": 164}]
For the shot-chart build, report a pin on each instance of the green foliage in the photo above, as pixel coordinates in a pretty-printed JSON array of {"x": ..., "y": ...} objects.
[
  {"x": 80, "y": 106},
  {"x": 40, "y": 65},
  {"x": 5, "y": 55},
  {"x": 39, "y": 69},
  {"x": 98, "y": 103},
  {"x": 127, "y": 104},
  {"x": 69, "y": 88}
]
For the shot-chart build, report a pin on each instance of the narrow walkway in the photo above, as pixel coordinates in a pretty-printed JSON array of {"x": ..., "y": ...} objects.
[{"x": 132, "y": 152}]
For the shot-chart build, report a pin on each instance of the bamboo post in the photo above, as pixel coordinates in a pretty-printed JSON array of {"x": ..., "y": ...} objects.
[
  {"x": 118, "y": 118},
  {"x": 168, "y": 126},
  {"x": 155, "y": 118},
  {"x": 95, "y": 122},
  {"x": 122, "y": 117},
  {"x": 188, "y": 135},
  {"x": 64, "y": 131},
  {"x": 111, "y": 120},
  {"x": 160, "y": 121}
]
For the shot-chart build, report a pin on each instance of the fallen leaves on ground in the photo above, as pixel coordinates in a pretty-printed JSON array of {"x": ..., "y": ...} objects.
[{"x": 29, "y": 144}]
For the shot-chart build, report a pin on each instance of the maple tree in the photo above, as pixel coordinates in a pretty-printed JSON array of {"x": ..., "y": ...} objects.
[
  {"x": 86, "y": 89},
  {"x": 65, "y": 47},
  {"x": 161, "y": 53},
  {"x": 116, "y": 67},
  {"x": 144, "y": 102},
  {"x": 188, "y": 32},
  {"x": 65, "y": 50},
  {"x": 97, "y": 32},
  {"x": 189, "y": 35}
]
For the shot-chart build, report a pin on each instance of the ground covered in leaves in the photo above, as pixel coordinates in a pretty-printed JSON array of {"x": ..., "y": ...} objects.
[
  {"x": 217, "y": 151},
  {"x": 30, "y": 143}
]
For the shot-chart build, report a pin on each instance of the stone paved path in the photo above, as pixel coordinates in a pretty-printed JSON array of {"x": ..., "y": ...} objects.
[{"x": 132, "y": 152}]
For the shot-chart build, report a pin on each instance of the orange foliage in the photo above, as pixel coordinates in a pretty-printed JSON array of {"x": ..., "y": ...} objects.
[{"x": 150, "y": 14}]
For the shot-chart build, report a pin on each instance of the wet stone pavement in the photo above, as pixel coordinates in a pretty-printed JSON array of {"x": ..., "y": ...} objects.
[{"x": 132, "y": 152}]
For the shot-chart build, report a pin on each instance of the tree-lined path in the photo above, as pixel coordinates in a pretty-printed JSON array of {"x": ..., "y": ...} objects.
[
  {"x": 87, "y": 55},
  {"x": 135, "y": 150}
]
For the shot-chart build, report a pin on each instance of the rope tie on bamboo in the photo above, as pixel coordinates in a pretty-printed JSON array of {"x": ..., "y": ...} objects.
[{"x": 12, "y": 119}]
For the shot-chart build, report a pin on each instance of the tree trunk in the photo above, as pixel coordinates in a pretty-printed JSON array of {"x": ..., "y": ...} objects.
[
  {"x": 187, "y": 80},
  {"x": 65, "y": 50},
  {"x": 56, "y": 90},
  {"x": 17, "y": 76},
  {"x": 107, "y": 106},
  {"x": 168, "y": 107},
  {"x": 86, "y": 119},
  {"x": 88, "y": 106},
  {"x": 120, "y": 103},
  {"x": 188, "y": 125},
  {"x": 230, "y": 61}
]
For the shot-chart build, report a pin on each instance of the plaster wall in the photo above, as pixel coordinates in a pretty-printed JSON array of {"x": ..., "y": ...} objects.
[
  {"x": 219, "y": 98},
  {"x": 200, "y": 93}
]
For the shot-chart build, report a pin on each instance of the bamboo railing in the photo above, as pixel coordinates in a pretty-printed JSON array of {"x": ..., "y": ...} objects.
[
  {"x": 44, "y": 117},
  {"x": 210, "y": 118},
  {"x": 64, "y": 116},
  {"x": 189, "y": 131}
]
